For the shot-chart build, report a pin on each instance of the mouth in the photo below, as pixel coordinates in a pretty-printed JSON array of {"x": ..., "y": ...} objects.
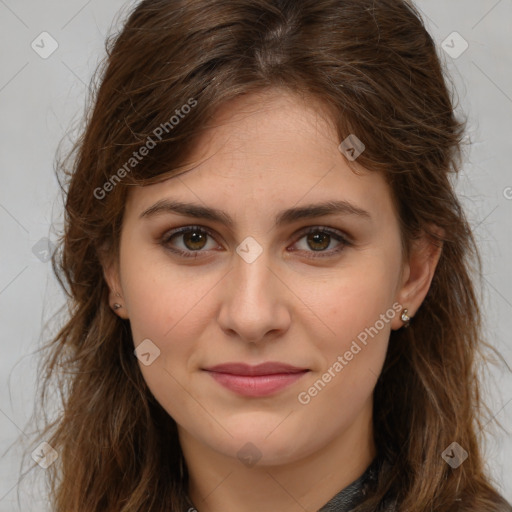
[{"x": 256, "y": 381}]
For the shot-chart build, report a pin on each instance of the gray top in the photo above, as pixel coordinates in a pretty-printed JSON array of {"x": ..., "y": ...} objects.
[
  {"x": 349, "y": 497},
  {"x": 355, "y": 493}
]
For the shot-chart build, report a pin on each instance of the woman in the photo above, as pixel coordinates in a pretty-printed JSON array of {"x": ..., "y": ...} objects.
[{"x": 271, "y": 298}]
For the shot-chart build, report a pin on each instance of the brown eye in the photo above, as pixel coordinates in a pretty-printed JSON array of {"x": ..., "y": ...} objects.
[
  {"x": 194, "y": 240},
  {"x": 189, "y": 241},
  {"x": 318, "y": 241}
]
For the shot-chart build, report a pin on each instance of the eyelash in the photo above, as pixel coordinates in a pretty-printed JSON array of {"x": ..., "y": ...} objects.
[{"x": 338, "y": 236}]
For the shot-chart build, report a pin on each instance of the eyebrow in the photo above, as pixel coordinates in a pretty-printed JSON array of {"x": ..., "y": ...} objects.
[{"x": 288, "y": 216}]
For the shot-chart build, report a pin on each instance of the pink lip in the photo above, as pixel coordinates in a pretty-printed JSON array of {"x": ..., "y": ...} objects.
[{"x": 260, "y": 380}]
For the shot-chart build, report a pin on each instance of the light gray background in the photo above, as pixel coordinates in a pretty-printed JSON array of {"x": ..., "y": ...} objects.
[{"x": 40, "y": 99}]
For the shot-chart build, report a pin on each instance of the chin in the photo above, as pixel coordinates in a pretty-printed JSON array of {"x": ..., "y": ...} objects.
[{"x": 264, "y": 447}]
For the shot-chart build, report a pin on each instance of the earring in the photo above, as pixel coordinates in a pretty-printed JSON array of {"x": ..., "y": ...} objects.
[
  {"x": 116, "y": 305},
  {"x": 406, "y": 319}
]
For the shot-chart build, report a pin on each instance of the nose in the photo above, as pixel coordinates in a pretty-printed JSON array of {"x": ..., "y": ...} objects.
[{"x": 255, "y": 301}]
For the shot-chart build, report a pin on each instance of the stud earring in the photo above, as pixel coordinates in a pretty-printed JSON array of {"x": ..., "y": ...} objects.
[
  {"x": 406, "y": 319},
  {"x": 116, "y": 306}
]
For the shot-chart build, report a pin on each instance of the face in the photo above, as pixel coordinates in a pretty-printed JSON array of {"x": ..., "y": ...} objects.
[{"x": 319, "y": 292}]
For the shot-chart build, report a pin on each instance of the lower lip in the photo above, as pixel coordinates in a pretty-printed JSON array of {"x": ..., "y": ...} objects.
[{"x": 256, "y": 385}]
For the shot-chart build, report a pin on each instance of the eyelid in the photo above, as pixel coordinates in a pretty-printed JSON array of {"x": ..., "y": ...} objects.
[{"x": 326, "y": 229}]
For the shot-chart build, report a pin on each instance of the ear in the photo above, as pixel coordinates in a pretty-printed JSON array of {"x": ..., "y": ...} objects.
[
  {"x": 111, "y": 274},
  {"x": 417, "y": 273}
]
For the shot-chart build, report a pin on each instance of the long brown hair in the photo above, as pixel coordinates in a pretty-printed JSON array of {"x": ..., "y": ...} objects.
[{"x": 376, "y": 69}]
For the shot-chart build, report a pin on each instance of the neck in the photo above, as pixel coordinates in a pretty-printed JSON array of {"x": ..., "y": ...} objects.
[{"x": 218, "y": 483}]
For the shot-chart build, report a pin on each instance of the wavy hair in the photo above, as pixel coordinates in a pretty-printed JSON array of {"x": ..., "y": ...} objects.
[{"x": 376, "y": 69}]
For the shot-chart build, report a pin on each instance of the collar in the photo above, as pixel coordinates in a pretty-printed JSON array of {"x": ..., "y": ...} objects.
[{"x": 355, "y": 493}]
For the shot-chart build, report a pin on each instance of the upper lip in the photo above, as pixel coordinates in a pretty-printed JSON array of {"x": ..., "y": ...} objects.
[{"x": 269, "y": 368}]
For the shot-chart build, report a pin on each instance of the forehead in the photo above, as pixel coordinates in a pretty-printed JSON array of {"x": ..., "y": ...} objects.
[{"x": 264, "y": 151}]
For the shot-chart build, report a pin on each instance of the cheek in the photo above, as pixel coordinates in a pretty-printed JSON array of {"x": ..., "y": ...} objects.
[
  {"x": 170, "y": 306},
  {"x": 355, "y": 312},
  {"x": 162, "y": 298},
  {"x": 166, "y": 305},
  {"x": 350, "y": 300}
]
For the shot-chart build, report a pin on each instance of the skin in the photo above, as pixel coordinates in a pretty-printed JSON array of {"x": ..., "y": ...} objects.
[{"x": 264, "y": 153}]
